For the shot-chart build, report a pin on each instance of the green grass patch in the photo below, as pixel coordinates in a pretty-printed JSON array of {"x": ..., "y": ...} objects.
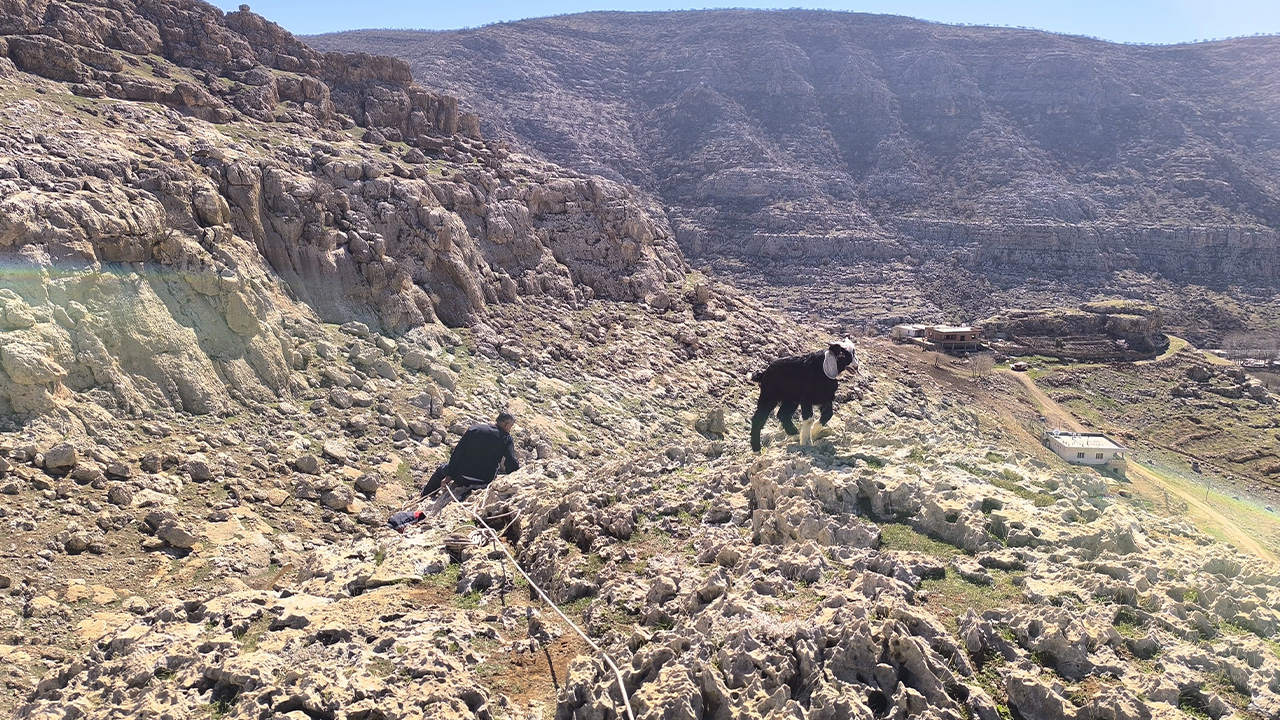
[
  {"x": 1012, "y": 481},
  {"x": 1129, "y": 624},
  {"x": 404, "y": 474},
  {"x": 971, "y": 469},
  {"x": 219, "y": 708},
  {"x": 1273, "y": 646},
  {"x": 491, "y": 669},
  {"x": 447, "y": 578},
  {"x": 1238, "y": 698},
  {"x": 953, "y": 596},
  {"x": 1130, "y": 630},
  {"x": 252, "y": 635},
  {"x": 381, "y": 667},
  {"x": 577, "y": 607},
  {"x": 896, "y": 536},
  {"x": 991, "y": 681}
]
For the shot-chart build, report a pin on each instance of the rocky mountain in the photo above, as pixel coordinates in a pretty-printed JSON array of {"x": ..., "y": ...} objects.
[
  {"x": 251, "y": 294},
  {"x": 876, "y": 144},
  {"x": 179, "y": 188}
]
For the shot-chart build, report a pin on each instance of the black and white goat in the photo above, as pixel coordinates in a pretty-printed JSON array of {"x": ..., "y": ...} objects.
[{"x": 801, "y": 381}]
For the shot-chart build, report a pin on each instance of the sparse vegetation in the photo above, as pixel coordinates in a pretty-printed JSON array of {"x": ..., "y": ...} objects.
[
  {"x": 1014, "y": 483},
  {"x": 952, "y": 596},
  {"x": 896, "y": 536}
]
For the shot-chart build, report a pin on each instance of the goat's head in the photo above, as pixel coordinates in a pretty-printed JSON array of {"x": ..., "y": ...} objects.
[{"x": 839, "y": 355}]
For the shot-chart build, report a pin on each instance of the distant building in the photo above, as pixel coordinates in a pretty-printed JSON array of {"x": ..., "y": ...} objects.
[
  {"x": 1086, "y": 448},
  {"x": 955, "y": 338},
  {"x": 901, "y": 333}
]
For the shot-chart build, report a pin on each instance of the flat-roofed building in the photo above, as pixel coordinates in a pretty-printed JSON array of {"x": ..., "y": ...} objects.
[
  {"x": 955, "y": 338},
  {"x": 907, "y": 331},
  {"x": 1086, "y": 448}
]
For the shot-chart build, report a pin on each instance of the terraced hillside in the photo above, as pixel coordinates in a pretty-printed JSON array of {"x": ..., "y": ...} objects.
[{"x": 928, "y": 171}]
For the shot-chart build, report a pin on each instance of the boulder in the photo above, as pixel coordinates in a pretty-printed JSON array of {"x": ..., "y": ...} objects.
[
  {"x": 62, "y": 456},
  {"x": 176, "y": 536},
  {"x": 339, "y": 498},
  {"x": 368, "y": 483},
  {"x": 198, "y": 468},
  {"x": 309, "y": 464}
]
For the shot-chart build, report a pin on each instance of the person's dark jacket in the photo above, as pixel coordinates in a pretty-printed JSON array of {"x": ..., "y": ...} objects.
[{"x": 479, "y": 452}]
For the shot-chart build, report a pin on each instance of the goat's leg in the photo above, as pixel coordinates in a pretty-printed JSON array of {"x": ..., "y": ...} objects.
[
  {"x": 763, "y": 409},
  {"x": 828, "y": 410},
  {"x": 786, "y": 415},
  {"x": 806, "y": 424}
]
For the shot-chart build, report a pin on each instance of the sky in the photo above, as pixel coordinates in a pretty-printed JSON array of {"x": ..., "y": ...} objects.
[{"x": 1135, "y": 21}]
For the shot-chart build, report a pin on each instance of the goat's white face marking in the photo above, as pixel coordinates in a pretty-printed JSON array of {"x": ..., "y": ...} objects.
[
  {"x": 829, "y": 367},
  {"x": 847, "y": 344}
]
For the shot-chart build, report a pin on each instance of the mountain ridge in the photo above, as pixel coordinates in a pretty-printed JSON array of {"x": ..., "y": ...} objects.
[{"x": 798, "y": 137}]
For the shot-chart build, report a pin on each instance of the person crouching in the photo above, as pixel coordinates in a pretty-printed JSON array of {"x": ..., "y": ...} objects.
[{"x": 481, "y": 454}]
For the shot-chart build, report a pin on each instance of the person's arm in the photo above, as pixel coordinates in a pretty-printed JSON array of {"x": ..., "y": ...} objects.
[{"x": 509, "y": 462}]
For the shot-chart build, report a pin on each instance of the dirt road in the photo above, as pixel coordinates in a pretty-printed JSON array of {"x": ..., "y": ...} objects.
[
  {"x": 1147, "y": 483},
  {"x": 1152, "y": 486},
  {"x": 1057, "y": 417}
]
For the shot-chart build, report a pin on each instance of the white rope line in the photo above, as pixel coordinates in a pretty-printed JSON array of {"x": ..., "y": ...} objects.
[{"x": 622, "y": 688}]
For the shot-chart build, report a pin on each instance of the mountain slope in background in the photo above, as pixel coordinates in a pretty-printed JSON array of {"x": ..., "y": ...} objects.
[{"x": 810, "y": 136}]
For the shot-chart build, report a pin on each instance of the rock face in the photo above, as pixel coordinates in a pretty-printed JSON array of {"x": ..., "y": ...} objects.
[
  {"x": 1099, "y": 331},
  {"x": 156, "y": 257},
  {"x": 841, "y": 134},
  {"x": 829, "y": 150}
]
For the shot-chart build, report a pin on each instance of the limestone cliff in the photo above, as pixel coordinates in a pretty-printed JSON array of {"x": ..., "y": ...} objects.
[
  {"x": 178, "y": 187},
  {"x": 828, "y": 134}
]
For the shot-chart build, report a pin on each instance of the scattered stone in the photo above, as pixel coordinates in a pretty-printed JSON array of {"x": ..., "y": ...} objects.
[
  {"x": 120, "y": 494},
  {"x": 176, "y": 536},
  {"x": 336, "y": 450},
  {"x": 339, "y": 498},
  {"x": 62, "y": 456},
  {"x": 309, "y": 464},
  {"x": 368, "y": 483},
  {"x": 198, "y": 468}
]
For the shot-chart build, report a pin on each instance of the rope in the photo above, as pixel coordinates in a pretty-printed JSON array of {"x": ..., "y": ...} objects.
[{"x": 617, "y": 674}]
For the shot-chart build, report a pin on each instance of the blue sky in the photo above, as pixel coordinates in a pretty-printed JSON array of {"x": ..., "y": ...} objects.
[{"x": 1148, "y": 21}]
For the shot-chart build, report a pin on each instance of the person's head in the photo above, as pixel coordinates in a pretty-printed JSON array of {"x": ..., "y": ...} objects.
[{"x": 506, "y": 421}]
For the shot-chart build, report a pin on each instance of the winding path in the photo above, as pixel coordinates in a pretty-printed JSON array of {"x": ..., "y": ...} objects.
[
  {"x": 1234, "y": 533},
  {"x": 1149, "y": 483}
]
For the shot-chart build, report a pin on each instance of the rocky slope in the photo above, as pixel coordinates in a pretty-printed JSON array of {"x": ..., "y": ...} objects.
[
  {"x": 178, "y": 187},
  {"x": 923, "y": 560},
  {"x": 794, "y": 138},
  {"x": 251, "y": 295}
]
